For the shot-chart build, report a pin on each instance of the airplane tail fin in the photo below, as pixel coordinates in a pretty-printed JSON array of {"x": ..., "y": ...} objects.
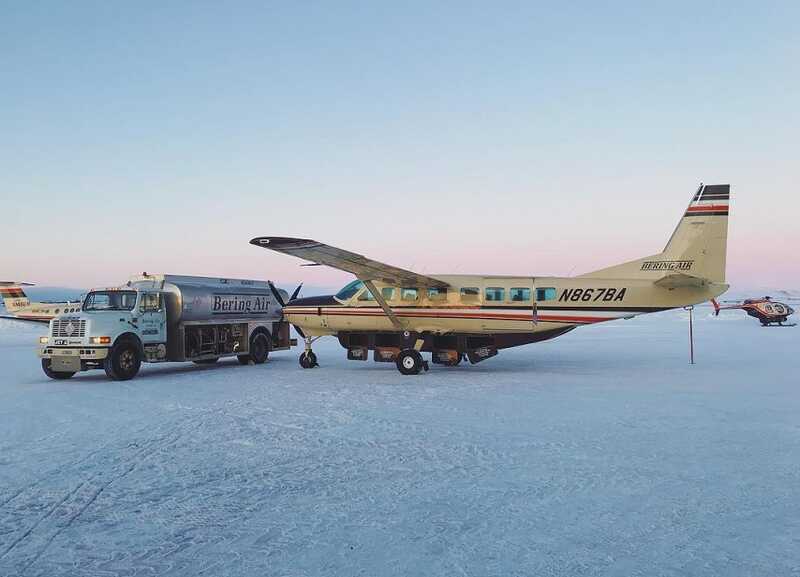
[
  {"x": 14, "y": 298},
  {"x": 696, "y": 251}
]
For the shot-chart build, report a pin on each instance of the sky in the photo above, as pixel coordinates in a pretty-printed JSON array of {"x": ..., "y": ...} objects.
[{"x": 446, "y": 137}]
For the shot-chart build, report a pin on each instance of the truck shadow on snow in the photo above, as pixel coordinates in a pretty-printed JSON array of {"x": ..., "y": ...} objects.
[{"x": 178, "y": 369}]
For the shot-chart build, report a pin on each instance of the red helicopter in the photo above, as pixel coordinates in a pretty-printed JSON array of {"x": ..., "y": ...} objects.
[{"x": 765, "y": 310}]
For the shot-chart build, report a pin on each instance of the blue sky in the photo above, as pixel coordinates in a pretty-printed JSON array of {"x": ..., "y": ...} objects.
[{"x": 513, "y": 138}]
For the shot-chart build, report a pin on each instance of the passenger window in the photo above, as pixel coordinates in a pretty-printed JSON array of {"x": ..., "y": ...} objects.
[
  {"x": 366, "y": 296},
  {"x": 409, "y": 294},
  {"x": 470, "y": 293},
  {"x": 545, "y": 294},
  {"x": 388, "y": 293},
  {"x": 520, "y": 294},
  {"x": 437, "y": 294},
  {"x": 495, "y": 294},
  {"x": 150, "y": 303}
]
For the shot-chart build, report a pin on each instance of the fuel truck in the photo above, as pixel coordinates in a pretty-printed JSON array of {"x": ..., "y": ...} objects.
[{"x": 167, "y": 318}]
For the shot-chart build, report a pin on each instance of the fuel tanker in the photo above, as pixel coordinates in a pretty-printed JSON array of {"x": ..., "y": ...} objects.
[{"x": 167, "y": 318}]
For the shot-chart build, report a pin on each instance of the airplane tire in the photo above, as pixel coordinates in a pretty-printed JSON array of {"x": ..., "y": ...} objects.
[
  {"x": 308, "y": 360},
  {"x": 259, "y": 349},
  {"x": 123, "y": 362},
  {"x": 57, "y": 375},
  {"x": 409, "y": 362}
]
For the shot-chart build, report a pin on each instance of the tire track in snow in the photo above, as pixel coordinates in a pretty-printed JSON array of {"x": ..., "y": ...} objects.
[{"x": 77, "y": 500}]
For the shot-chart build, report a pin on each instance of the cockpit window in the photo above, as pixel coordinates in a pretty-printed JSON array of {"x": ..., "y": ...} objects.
[
  {"x": 366, "y": 295},
  {"x": 349, "y": 290},
  {"x": 110, "y": 301}
]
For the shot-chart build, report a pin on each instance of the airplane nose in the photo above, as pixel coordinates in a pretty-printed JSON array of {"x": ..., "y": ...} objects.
[{"x": 318, "y": 301}]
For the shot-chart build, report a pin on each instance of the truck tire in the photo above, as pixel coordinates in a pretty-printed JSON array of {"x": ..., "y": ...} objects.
[
  {"x": 123, "y": 361},
  {"x": 57, "y": 375},
  {"x": 243, "y": 359},
  {"x": 259, "y": 348}
]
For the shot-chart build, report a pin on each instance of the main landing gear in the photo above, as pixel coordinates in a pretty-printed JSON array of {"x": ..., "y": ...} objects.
[
  {"x": 308, "y": 360},
  {"x": 409, "y": 362}
]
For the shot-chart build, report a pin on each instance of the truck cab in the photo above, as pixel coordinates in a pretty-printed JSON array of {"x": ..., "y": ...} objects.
[{"x": 158, "y": 318}]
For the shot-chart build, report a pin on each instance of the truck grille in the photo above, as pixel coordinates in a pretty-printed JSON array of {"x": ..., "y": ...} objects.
[{"x": 68, "y": 328}]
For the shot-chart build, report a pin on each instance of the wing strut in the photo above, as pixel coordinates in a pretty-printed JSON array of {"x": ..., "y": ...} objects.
[{"x": 384, "y": 305}]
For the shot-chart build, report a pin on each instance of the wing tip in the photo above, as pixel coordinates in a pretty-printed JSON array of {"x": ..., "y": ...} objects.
[{"x": 281, "y": 242}]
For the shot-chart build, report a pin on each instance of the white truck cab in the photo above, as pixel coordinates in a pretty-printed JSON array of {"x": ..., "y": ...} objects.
[{"x": 159, "y": 318}]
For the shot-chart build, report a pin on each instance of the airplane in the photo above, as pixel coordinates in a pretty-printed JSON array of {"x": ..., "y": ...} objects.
[
  {"x": 20, "y": 308},
  {"x": 398, "y": 314},
  {"x": 766, "y": 310}
]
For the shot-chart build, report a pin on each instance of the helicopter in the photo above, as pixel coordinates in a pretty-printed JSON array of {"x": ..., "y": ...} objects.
[{"x": 764, "y": 309}]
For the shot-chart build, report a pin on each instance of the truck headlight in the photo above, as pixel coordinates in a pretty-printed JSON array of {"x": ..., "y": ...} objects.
[
  {"x": 100, "y": 340},
  {"x": 43, "y": 340}
]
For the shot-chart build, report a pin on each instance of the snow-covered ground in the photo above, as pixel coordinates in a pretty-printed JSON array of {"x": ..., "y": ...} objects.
[{"x": 600, "y": 453}]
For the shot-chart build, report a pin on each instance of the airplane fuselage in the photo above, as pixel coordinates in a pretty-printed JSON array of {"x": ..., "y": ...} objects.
[{"x": 493, "y": 305}]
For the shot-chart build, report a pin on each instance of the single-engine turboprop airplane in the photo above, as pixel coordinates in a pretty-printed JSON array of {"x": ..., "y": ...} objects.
[
  {"x": 398, "y": 313},
  {"x": 20, "y": 308}
]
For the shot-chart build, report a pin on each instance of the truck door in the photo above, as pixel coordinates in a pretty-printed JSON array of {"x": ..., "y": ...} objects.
[{"x": 152, "y": 318}]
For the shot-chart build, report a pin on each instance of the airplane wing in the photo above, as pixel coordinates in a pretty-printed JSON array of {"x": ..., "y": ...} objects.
[
  {"x": 364, "y": 268},
  {"x": 24, "y": 320},
  {"x": 680, "y": 280}
]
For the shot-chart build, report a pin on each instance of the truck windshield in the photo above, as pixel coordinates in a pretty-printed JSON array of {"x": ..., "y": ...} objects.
[{"x": 110, "y": 301}]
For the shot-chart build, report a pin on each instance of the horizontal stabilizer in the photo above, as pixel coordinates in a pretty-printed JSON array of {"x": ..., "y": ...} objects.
[{"x": 680, "y": 280}]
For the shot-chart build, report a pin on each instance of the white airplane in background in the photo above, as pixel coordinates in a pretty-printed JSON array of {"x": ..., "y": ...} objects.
[{"x": 20, "y": 308}]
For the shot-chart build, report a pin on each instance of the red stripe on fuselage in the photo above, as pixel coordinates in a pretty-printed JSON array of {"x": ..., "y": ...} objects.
[
  {"x": 708, "y": 208},
  {"x": 527, "y": 317}
]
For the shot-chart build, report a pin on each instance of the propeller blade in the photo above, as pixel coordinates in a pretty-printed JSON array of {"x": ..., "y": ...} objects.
[
  {"x": 276, "y": 293},
  {"x": 296, "y": 292},
  {"x": 299, "y": 331}
]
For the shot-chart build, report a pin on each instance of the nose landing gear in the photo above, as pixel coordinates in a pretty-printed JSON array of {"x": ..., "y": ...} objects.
[{"x": 308, "y": 360}]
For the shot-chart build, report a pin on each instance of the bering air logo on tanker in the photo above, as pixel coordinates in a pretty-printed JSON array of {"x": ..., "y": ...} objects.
[
  {"x": 231, "y": 304},
  {"x": 667, "y": 265}
]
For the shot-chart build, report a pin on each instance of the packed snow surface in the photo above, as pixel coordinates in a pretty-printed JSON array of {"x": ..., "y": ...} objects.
[{"x": 602, "y": 452}]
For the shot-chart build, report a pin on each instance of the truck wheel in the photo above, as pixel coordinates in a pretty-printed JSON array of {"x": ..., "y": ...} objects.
[
  {"x": 259, "y": 349},
  {"x": 206, "y": 361},
  {"x": 57, "y": 375},
  {"x": 123, "y": 362},
  {"x": 409, "y": 362}
]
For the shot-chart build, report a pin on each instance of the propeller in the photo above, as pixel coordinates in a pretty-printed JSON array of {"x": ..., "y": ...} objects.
[
  {"x": 296, "y": 292},
  {"x": 277, "y": 294}
]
